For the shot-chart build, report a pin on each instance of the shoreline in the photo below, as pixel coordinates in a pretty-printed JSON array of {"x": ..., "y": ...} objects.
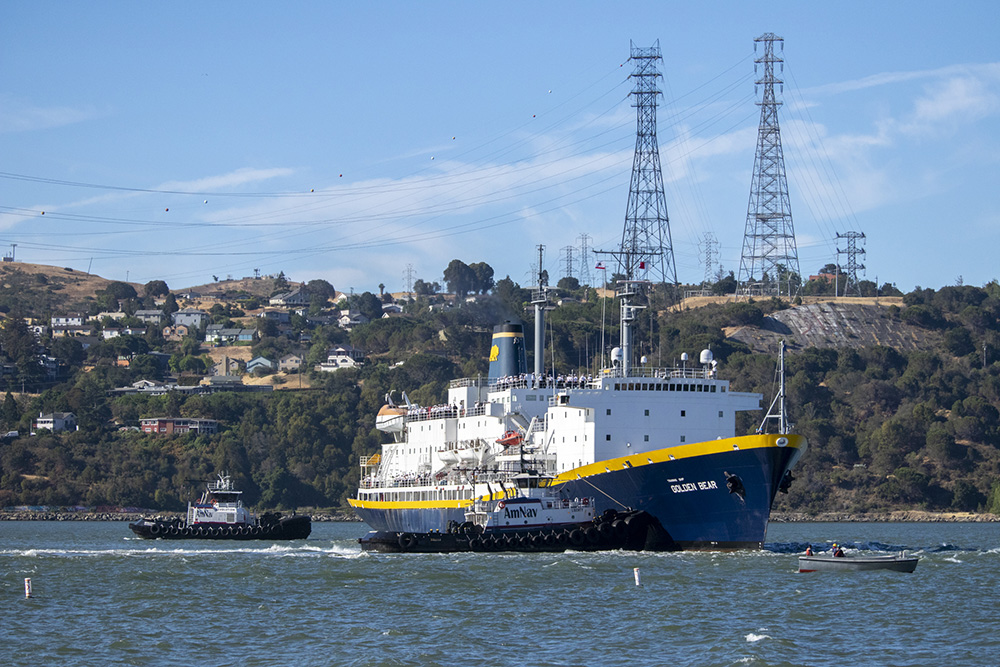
[
  {"x": 57, "y": 515},
  {"x": 897, "y": 516}
]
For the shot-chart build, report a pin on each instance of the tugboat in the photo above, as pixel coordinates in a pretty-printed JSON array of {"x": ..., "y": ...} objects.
[
  {"x": 531, "y": 517},
  {"x": 220, "y": 515}
]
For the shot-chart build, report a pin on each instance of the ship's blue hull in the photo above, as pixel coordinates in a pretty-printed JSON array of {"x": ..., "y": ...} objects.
[{"x": 689, "y": 499}]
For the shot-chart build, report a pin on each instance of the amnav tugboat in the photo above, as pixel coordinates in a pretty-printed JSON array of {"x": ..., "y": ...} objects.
[
  {"x": 220, "y": 515},
  {"x": 654, "y": 445}
]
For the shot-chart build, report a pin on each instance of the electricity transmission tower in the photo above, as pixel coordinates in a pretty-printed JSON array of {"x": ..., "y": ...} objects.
[
  {"x": 709, "y": 247},
  {"x": 568, "y": 267},
  {"x": 852, "y": 266},
  {"x": 408, "y": 280},
  {"x": 646, "y": 251},
  {"x": 585, "y": 260},
  {"x": 770, "y": 258}
]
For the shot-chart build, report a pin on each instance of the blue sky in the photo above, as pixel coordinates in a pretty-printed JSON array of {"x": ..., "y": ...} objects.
[{"x": 347, "y": 141}]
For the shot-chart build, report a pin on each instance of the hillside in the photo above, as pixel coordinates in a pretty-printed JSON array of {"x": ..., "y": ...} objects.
[
  {"x": 837, "y": 325},
  {"x": 899, "y": 399},
  {"x": 41, "y": 288}
]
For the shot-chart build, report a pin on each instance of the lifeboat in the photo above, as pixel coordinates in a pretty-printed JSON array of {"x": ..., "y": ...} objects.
[
  {"x": 391, "y": 419},
  {"x": 510, "y": 438}
]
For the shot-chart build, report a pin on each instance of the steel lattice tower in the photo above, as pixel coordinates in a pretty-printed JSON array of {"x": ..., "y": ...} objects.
[
  {"x": 710, "y": 248},
  {"x": 646, "y": 250},
  {"x": 585, "y": 259},
  {"x": 769, "y": 253},
  {"x": 852, "y": 267}
]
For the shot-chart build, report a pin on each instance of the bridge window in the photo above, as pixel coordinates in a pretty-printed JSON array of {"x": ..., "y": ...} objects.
[
  {"x": 607, "y": 437},
  {"x": 683, "y": 413},
  {"x": 647, "y": 413}
]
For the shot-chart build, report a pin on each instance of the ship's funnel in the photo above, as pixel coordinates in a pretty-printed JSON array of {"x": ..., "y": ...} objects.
[{"x": 507, "y": 352}]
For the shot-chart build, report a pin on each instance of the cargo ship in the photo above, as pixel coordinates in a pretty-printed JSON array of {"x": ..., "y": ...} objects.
[{"x": 655, "y": 442}]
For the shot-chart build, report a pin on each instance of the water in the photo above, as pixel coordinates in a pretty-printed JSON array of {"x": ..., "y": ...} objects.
[{"x": 103, "y": 597}]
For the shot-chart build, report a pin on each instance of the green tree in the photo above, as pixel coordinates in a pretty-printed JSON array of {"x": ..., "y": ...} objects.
[
  {"x": 483, "y": 277},
  {"x": 121, "y": 290},
  {"x": 170, "y": 304},
  {"x": 10, "y": 413},
  {"x": 460, "y": 278},
  {"x": 155, "y": 288}
]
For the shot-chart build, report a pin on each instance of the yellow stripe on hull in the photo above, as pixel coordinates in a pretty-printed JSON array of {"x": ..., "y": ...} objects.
[{"x": 678, "y": 452}]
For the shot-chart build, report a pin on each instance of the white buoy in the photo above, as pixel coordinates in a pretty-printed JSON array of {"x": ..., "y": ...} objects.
[
  {"x": 27, "y": 587},
  {"x": 638, "y": 579}
]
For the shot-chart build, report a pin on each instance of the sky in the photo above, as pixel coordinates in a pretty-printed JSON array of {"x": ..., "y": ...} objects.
[{"x": 372, "y": 143}]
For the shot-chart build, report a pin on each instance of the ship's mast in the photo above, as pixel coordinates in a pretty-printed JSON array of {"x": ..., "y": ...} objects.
[
  {"x": 539, "y": 300},
  {"x": 779, "y": 400}
]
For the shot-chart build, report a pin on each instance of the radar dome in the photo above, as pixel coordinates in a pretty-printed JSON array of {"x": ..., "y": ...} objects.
[
  {"x": 706, "y": 356},
  {"x": 684, "y": 356}
]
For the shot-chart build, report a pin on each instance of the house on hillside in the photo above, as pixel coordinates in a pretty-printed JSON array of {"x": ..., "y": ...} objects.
[
  {"x": 150, "y": 316},
  {"x": 62, "y": 331},
  {"x": 351, "y": 318},
  {"x": 55, "y": 421},
  {"x": 191, "y": 317},
  {"x": 176, "y": 332},
  {"x": 175, "y": 425},
  {"x": 341, "y": 356},
  {"x": 70, "y": 320},
  {"x": 296, "y": 297},
  {"x": 219, "y": 335},
  {"x": 290, "y": 362},
  {"x": 279, "y": 316},
  {"x": 261, "y": 364}
]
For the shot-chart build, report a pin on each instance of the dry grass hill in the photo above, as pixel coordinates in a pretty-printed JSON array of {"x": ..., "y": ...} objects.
[{"x": 50, "y": 288}]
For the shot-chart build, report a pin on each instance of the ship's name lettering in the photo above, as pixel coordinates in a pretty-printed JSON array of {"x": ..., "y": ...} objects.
[
  {"x": 520, "y": 512},
  {"x": 693, "y": 486}
]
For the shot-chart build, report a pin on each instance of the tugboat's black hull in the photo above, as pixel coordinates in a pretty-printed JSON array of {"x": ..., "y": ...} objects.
[
  {"x": 288, "y": 528},
  {"x": 630, "y": 530}
]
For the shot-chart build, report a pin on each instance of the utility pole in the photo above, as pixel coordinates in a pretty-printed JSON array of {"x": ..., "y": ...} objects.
[{"x": 769, "y": 250}]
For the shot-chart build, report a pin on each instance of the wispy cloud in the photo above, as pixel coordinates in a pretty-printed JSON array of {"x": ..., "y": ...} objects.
[
  {"x": 18, "y": 116},
  {"x": 976, "y": 70}
]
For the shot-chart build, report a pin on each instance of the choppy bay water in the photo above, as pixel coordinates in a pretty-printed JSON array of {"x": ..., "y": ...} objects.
[{"x": 102, "y": 597}]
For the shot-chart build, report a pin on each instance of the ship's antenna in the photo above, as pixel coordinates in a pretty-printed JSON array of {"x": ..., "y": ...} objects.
[{"x": 539, "y": 300}]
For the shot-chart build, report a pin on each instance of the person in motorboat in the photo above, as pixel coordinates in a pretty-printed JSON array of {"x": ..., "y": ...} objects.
[
  {"x": 837, "y": 551},
  {"x": 809, "y": 550}
]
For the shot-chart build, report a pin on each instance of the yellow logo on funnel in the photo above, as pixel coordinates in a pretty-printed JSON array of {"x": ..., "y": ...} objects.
[{"x": 494, "y": 353}]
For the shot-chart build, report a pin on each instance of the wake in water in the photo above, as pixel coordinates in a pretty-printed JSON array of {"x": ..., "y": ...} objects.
[{"x": 276, "y": 551}]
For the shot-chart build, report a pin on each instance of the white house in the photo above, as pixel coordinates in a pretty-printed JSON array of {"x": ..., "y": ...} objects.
[
  {"x": 342, "y": 356},
  {"x": 56, "y": 421}
]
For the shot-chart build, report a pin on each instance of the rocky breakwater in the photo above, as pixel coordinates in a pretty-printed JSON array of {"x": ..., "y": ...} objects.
[
  {"x": 898, "y": 516},
  {"x": 56, "y": 515}
]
